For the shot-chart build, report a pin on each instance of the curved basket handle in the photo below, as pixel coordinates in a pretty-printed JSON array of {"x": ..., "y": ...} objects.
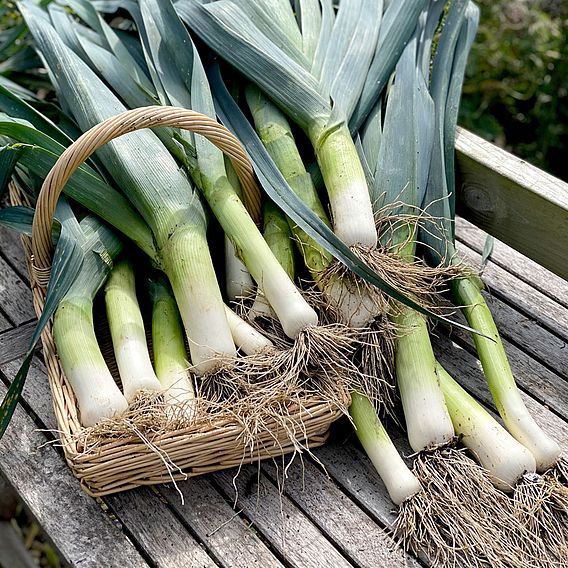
[{"x": 123, "y": 123}]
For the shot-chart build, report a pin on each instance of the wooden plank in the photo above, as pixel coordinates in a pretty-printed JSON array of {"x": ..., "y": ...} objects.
[
  {"x": 13, "y": 252},
  {"x": 160, "y": 534},
  {"x": 466, "y": 369},
  {"x": 288, "y": 531},
  {"x": 226, "y": 534},
  {"x": 4, "y": 323},
  {"x": 521, "y": 295},
  {"x": 513, "y": 201},
  {"x": 8, "y": 500},
  {"x": 350, "y": 468},
  {"x": 526, "y": 338},
  {"x": 13, "y": 553},
  {"x": 514, "y": 262},
  {"x": 358, "y": 536},
  {"x": 15, "y": 296},
  {"x": 45, "y": 484},
  {"x": 15, "y": 341}
]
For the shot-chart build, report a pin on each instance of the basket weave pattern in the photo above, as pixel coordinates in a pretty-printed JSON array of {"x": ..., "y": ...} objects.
[{"x": 118, "y": 464}]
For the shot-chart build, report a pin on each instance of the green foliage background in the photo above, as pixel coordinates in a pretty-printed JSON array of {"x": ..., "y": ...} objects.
[{"x": 516, "y": 88}]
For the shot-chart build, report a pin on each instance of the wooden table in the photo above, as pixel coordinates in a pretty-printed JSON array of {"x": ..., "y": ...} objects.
[{"x": 315, "y": 519}]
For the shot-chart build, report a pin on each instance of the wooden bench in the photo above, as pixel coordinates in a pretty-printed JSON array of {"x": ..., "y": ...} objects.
[{"x": 315, "y": 519}]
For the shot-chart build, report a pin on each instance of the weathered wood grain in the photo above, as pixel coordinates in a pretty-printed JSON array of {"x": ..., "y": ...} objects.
[
  {"x": 15, "y": 296},
  {"x": 358, "y": 536},
  {"x": 14, "y": 342},
  {"x": 354, "y": 473},
  {"x": 13, "y": 252},
  {"x": 514, "y": 262},
  {"x": 289, "y": 532},
  {"x": 513, "y": 201},
  {"x": 156, "y": 530},
  {"x": 228, "y": 537},
  {"x": 532, "y": 376},
  {"x": 74, "y": 523},
  {"x": 4, "y": 323},
  {"x": 466, "y": 369},
  {"x": 521, "y": 295},
  {"x": 13, "y": 553},
  {"x": 8, "y": 500}
]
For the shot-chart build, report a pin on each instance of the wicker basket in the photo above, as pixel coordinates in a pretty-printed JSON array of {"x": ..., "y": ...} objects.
[{"x": 119, "y": 464}]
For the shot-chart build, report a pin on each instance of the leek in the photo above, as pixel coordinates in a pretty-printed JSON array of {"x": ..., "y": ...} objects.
[
  {"x": 355, "y": 308},
  {"x": 500, "y": 378},
  {"x": 304, "y": 84},
  {"x": 400, "y": 482},
  {"x": 150, "y": 178},
  {"x": 402, "y": 161},
  {"x": 499, "y": 453},
  {"x": 127, "y": 332},
  {"x": 98, "y": 396},
  {"x": 170, "y": 357},
  {"x": 454, "y": 45}
]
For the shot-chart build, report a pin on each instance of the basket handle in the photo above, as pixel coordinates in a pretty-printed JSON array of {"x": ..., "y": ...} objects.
[{"x": 123, "y": 123}]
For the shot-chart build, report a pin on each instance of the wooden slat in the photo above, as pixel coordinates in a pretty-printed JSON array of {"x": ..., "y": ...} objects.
[
  {"x": 289, "y": 532},
  {"x": 514, "y": 262},
  {"x": 513, "y": 201},
  {"x": 13, "y": 251},
  {"x": 15, "y": 296},
  {"x": 156, "y": 530},
  {"x": 4, "y": 323},
  {"x": 521, "y": 295},
  {"x": 226, "y": 534},
  {"x": 14, "y": 342},
  {"x": 465, "y": 368},
  {"x": 13, "y": 553},
  {"x": 87, "y": 538},
  {"x": 358, "y": 536},
  {"x": 356, "y": 475},
  {"x": 8, "y": 500}
]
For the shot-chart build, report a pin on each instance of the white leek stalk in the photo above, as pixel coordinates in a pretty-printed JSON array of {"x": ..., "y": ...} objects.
[
  {"x": 170, "y": 356},
  {"x": 127, "y": 333},
  {"x": 352, "y": 212},
  {"x": 400, "y": 482},
  {"x": 497, "y": 451},
  {"x": 238, "y": 281},
  {"x": 500, "y": 378},
  {"x": 245, "y": 336},
  {"x": 97, "y": 394},
  {"x": 355, "y": 308},
  {"x": 278, "y": 237},
  {"x": 427, "y": 420}
]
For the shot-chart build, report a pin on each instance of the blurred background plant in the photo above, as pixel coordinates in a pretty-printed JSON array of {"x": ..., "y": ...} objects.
[{"x": 516, "y": 88}]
